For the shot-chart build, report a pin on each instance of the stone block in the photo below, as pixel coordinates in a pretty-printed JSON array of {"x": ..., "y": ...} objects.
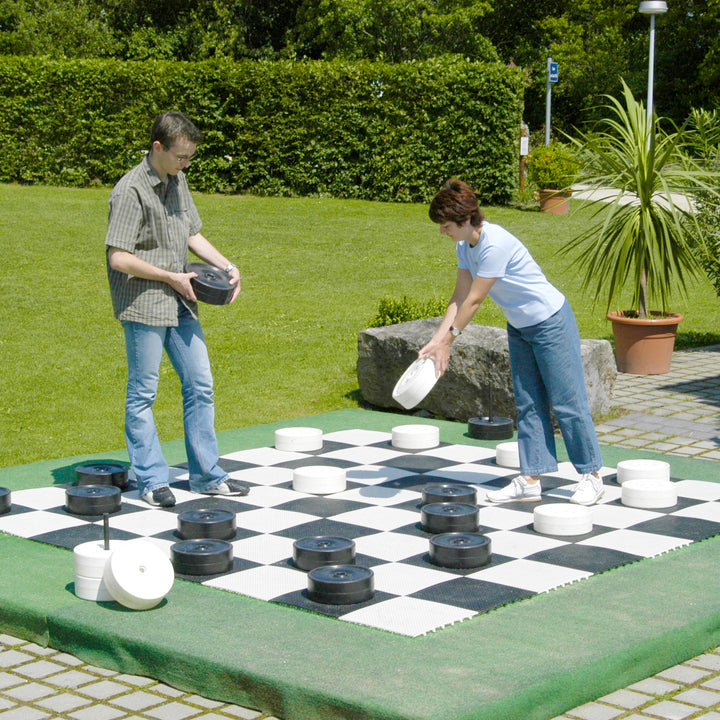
[{"x": 478, "y": 382}]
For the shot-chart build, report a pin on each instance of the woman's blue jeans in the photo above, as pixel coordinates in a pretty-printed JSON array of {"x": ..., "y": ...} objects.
[
  {"x": 186, "y": 348},
  {"x": 547, "y": 373}
]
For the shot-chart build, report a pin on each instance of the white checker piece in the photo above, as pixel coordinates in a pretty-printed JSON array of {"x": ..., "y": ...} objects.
[
  {"x": 531, "y": 575},
  {"x": 639, "y": 543},
  {"x": 408, "y": 616},
  {"x": 264, "y": 582}
]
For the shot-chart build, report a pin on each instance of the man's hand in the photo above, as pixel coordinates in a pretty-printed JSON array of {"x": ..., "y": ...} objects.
[
  {"x": 180, "y": 283},
  {"x": 235, "y": 280}
]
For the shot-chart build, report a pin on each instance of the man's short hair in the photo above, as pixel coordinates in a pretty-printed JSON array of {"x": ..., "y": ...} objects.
[{"x": 172, "y": 125}]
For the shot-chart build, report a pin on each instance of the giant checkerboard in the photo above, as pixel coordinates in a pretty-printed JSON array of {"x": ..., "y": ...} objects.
[{"x": 380, "y": 510}]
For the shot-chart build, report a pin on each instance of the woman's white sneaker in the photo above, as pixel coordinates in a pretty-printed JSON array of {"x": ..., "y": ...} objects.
[
  {"x": 519, "y": 490},
  {"x": 589, "y": 490}
]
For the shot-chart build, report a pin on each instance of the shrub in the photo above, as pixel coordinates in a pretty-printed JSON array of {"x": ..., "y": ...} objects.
[
  {"x": 553, "y": 167},
  {"x": 363, "y": 130},
  {"x": 392, "y": 310}
]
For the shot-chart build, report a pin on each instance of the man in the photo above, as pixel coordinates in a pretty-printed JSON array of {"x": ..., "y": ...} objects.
[{"x": 152, "y": 224}]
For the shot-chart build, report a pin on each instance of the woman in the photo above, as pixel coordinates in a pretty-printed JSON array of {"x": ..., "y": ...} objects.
[{"x": 543, "y": 339}]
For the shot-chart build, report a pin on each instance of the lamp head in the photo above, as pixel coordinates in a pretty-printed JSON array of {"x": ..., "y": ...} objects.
[{"x": 653, "y": 7}]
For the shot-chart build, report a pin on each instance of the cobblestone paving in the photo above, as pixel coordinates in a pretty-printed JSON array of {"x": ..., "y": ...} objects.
[
  {"x": 676, "y": 413},
  {"x": 39, "y": 683}
]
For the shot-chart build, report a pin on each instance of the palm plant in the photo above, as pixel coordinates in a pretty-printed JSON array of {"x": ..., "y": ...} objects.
[
  {"x": 642, "y": 236},
  {"x": 705, "y": 144}
]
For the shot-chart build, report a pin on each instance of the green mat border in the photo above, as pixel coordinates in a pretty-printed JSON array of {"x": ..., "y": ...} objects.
[{"x": 533, "y": 659}]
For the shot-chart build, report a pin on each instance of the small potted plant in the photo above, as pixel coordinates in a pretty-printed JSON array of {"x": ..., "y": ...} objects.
[
  {"x": 642, "y": 185},
  {"x": 553, "y": 169}
]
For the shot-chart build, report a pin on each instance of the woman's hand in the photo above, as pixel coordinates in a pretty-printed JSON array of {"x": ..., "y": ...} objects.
[{"x": 439, "y": 351}]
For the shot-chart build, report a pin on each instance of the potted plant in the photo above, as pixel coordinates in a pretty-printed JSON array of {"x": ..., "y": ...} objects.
[
  {"x": 643, "y": 231},
  {"x": 553, "y": 169}
]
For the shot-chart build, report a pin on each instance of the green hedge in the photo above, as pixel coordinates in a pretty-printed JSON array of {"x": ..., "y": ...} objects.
[
  {"x": 393, "y": 310},
  {"x": 347, "y": 130}
]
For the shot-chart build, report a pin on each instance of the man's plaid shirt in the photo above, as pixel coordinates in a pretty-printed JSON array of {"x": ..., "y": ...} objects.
[{"x": 153, "y": 221}]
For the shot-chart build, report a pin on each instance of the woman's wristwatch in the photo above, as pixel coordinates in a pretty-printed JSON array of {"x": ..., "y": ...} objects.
[{"x": 454, "y": 331}]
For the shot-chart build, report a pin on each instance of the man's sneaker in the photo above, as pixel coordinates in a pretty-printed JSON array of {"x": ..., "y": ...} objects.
[
  {"x": 519, "y": 490},
  {"x": 589, "y": 490},
  {"x": 227, "y": 487},
  {"x": 162, "y": 497}
]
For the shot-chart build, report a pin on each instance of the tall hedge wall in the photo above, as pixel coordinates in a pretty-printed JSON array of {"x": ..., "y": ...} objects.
[{"x": 351, "y": 130}]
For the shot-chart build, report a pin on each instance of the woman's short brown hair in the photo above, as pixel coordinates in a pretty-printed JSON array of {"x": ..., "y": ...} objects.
[{"x": 456, "y": 202}]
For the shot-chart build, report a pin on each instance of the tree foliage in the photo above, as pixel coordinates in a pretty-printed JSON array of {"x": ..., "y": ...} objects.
[
  {"x": 391, "y": 30},
  {"x": 595, "y": 43},
  {"x": 66, "y": 28}
]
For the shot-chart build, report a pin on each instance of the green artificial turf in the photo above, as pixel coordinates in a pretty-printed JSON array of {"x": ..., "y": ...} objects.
[
  {"x": 313, "y": 273},
  {"x": 532, "y": 659}
]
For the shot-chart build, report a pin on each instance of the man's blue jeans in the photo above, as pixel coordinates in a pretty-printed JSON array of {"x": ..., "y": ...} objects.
[
  {"x": 547, "y": 373},
  {"x": 186, "y": 348}
]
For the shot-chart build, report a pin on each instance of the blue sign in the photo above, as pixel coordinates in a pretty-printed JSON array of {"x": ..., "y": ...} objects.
[{"x": 553, "y": 72}]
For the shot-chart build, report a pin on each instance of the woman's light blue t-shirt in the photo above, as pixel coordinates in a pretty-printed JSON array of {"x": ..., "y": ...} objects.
[{"x": 521, "y": 290}]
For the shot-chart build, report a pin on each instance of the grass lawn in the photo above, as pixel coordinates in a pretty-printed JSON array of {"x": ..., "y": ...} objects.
[{"x": 313, "y": 273}]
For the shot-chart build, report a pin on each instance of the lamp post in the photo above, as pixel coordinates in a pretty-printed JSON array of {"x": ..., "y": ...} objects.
[{"x": 652, "y": 8}]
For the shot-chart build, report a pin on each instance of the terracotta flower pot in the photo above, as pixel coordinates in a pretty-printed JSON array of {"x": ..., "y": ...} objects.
[
  {"x": 554, "y": 202},
  {"x": 644, "y": 347}
]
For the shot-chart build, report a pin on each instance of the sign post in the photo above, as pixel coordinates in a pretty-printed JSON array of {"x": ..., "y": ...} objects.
[
  {"x": 552, "y": 77},
  {"x": 524, "y": 152}
]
